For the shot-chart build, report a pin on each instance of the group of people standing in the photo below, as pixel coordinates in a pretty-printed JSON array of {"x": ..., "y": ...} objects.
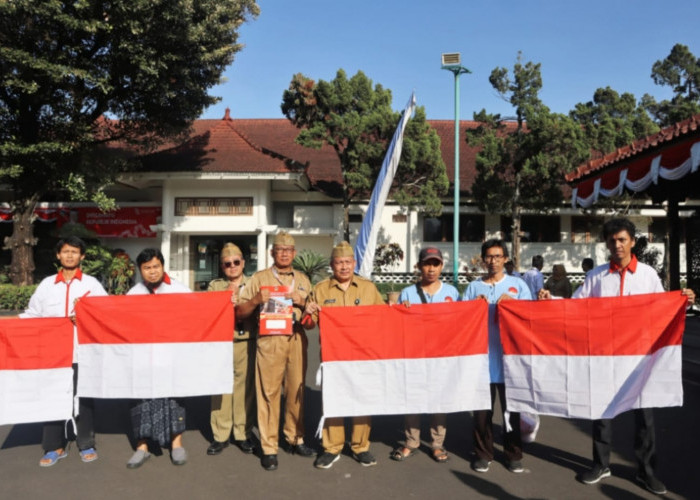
[{"x": 269, "y": 368}]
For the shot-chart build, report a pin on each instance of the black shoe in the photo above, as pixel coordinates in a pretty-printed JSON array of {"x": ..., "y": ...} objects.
[
  {"x": 594, "y": 475},
  {"x": 216, "y": 447},
  {"x": 365, "y": 458},
  {"x": 481, "y": 465},
  {"x": 515, "y": 466},
  {"x": 651, "y": 483},
  {"x": 326, "y": 460},
  {"x": 302, "y": 450},
  {"x": 269, "y": 462},
  {"x": 246, "y": 446}
]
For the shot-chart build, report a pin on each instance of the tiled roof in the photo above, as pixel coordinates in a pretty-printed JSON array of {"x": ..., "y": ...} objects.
[
  {"x": 677, "y": 132},
  {"x": 267, "y": 145}
]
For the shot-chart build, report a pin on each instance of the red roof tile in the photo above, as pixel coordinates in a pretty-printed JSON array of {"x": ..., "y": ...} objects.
[
  {"x": 267, "y": 145},
  {"x": 680, "y": 131}
]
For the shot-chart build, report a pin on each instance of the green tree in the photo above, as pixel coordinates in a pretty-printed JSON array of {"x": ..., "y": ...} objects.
[
  {"x": 680, "y": 71},
  {"x": 76, "y": 77},
  {"x": 357, "y": 121},
  {"x": 611, "y": 120},
  {"x": 521, "y": 165}
]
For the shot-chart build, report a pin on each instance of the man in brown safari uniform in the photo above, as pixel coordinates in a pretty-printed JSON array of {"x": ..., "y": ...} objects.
[
  {"x": 343, "y": 289},
  {"x": 280, "y": 359}
]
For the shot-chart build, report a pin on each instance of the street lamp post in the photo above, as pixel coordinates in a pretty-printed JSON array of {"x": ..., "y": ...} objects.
[{"x": 452, "y": 62}]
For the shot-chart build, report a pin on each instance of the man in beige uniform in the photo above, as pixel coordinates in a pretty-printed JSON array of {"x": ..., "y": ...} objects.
[
  {"x": 281, "y": 359},
  {"x": 235, "y": 412},
  {"x": 343, "y": 289}
]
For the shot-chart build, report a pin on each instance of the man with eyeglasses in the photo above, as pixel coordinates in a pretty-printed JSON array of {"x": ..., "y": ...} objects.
[
  {"x": 494, "y": 288},
  {"x": 235, "y": 412},
  {"x": 280, "y": 359}
]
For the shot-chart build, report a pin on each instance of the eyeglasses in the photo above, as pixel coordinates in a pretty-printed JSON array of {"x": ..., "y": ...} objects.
[
  {"x": 230, "y": 263},
  {"x": 284, "y": 249},
  {"x": 491, "y": 258}
]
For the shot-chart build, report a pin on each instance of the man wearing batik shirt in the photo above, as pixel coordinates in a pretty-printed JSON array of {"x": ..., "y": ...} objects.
[
  {"x": 55, "y": 297},
  {"x": 623, "y": 275},
  {"x": 494, "y": 288}
]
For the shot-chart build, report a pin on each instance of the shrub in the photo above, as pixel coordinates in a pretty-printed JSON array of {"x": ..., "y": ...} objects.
[{"x": 15, "y": 298}]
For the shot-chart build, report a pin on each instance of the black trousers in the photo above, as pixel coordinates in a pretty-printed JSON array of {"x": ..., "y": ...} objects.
[
  {"x": 483, "y": 430},
  {"x": 644, "y": 441},
  {"x": 54, "y": 435}
]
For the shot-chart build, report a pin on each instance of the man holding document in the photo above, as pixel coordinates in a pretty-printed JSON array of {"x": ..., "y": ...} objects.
[
  {"x": 623, "y": 275},
  {"x": 277, "y": 296}
]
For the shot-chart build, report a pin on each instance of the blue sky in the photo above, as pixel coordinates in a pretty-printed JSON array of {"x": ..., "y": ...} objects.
[{"x": 581, "y": 45}]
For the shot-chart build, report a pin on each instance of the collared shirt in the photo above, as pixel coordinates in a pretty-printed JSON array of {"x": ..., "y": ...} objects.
[
  {"x": 446, "y": 293},
  {"x": 516, "y": 288},
  {"x": 55, "y": 298},
  {"x": 534, "y": 280},
  {"x": 272, "y": 277},
  {"x": 243, "y": 327},
  {"x": 169, "y": 285},
  {"x": 609, "y": 280},
  {"x": 360, "y": 292}
]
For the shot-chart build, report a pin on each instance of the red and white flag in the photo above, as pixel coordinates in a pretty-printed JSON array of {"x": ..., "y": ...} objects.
[
  {"x": 593, "y": 358},
  {"x": 155, "y": 346},
  {"x": 427, "y": 358},
  {"x": 36, "y": 374}
]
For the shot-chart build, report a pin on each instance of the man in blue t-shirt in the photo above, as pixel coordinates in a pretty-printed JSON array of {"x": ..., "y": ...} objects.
[
  {"x": 427, "y": 291},
  {"x": 495, "y": 287}
]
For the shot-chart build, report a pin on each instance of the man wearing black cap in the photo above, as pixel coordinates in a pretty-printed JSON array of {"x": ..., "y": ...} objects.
[{"x": 427, "y": 291}]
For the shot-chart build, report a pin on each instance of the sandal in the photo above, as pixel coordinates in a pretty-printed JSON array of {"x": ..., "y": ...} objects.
[
  {"x": 88, "y": 455},
  {"x": 402, "y": 453},
  {"x": 51, "y": 457},
  {"x": 440, "y": 455}
]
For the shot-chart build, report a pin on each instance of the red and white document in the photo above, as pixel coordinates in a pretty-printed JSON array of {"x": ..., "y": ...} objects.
[{"x": 277, "y": 314}]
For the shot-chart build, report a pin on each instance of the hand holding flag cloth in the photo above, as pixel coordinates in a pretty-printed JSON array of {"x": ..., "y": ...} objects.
[
  {"x": 384, "y": 360},
  {"x": 154, "y": 346},
  {"x": 593, "y": 358}
]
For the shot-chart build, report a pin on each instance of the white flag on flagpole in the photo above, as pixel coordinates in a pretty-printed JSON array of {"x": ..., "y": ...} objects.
[{"x": 367, "y": 239}]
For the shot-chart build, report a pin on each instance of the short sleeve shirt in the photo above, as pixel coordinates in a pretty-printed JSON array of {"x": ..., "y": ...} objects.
[
  {"x": 516, "y": 288},
  {"x": 272, "y": 277},
  {"x": 360, "y": 292},
  {"x": 446, "y": 293}
]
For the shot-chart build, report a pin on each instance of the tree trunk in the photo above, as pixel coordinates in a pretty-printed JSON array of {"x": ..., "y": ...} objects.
[
  {"x": 22, "y": 242},
  {"x": 346, "y": 214},
  {"x": 515, "y": 210}
]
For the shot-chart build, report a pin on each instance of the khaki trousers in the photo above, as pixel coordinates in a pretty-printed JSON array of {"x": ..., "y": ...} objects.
[
  {"x": 334, "y": 434},
  {"x": 437, "y": 430},
  {"x": 281, "y": 365},
  {"x": 236, "y": 412}
]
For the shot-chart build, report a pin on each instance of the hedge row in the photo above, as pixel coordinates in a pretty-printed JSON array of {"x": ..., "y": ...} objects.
[{"x": 15, "y": 298}]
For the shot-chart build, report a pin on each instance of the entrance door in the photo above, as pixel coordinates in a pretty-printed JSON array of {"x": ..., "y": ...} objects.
[{"x": 205, "y": 254}]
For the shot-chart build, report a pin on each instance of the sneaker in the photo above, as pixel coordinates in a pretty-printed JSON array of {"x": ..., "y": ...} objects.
[
  {"x": 651, "y": 483},
  {"x": 516, "y": 466},
  {"x": 594, "y": 475},
  {"x": 481, "y": 465},
  {"x": 178, "y": 456},
  {"x": 326, "y": 460},
  {"x": 365, "y": 458}
]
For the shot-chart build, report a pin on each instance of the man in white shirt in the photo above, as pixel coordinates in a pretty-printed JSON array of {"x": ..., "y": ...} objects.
[
  {"x": 623, "y": 275},
  {"x": 533, "y": 277},
  {"x": 55, "y": 297}
]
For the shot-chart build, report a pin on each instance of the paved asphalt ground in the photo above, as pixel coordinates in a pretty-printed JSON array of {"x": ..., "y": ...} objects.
[{"x": 562, "y": 450}]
